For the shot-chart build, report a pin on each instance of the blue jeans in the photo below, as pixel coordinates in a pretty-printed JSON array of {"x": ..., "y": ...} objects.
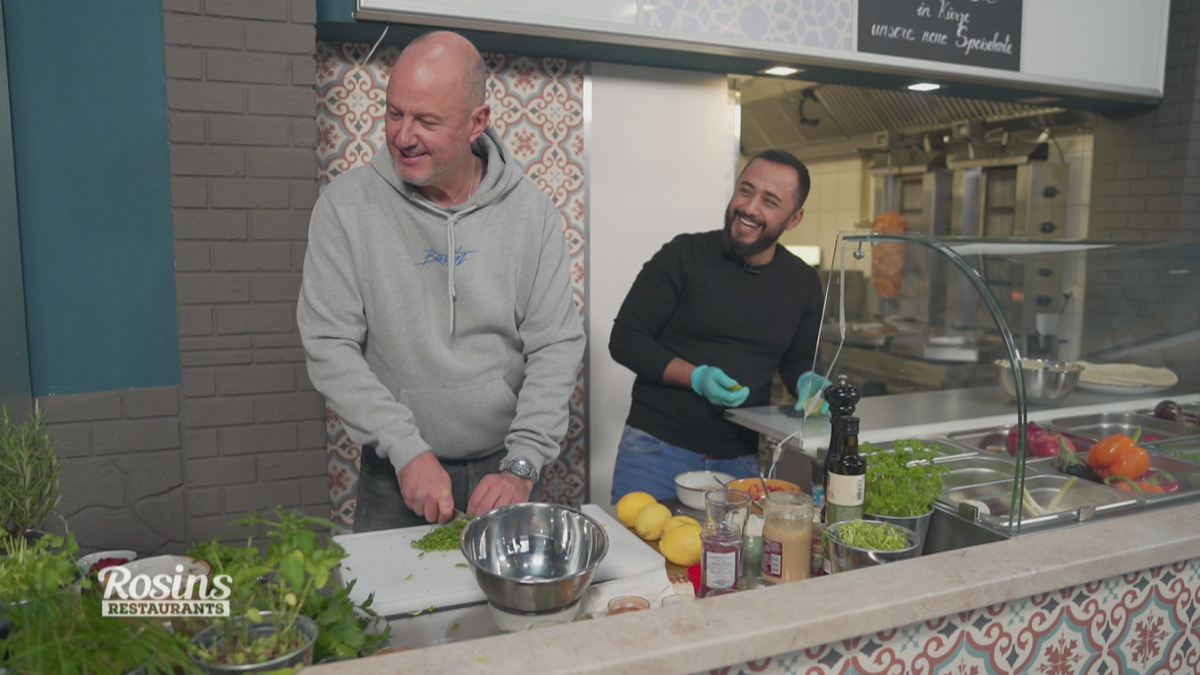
[{"x": 646, "y": 464}]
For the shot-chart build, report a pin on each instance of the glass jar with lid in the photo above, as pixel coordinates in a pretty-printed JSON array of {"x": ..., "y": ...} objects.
[{"x": 787, "y": 537}]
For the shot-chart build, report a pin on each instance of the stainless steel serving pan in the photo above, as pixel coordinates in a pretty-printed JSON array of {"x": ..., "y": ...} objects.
[
  {"x": 1187, "y": 449},
  {"x": 1099, "y": 425},
  {"x": 989, "y": 441},
  {"x": 945, "y": 448},
  {"x": 1084, "y": 501},
  {"x": 1186, "y": 472},
  {"x": 976, "y": 469}
]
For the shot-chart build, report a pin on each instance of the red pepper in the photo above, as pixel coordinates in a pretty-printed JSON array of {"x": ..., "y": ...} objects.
[
  {"x": 1164, "y": 480},
  {"x": 1119, "y": 455},
  {"x": 1123, "y": 483}
]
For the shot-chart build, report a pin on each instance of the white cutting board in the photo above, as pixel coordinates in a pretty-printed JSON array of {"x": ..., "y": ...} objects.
[{"x": 381, "y": 561}]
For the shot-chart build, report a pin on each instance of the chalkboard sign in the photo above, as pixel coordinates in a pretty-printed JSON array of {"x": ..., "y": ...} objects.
[{"x": 985, "y": 33}]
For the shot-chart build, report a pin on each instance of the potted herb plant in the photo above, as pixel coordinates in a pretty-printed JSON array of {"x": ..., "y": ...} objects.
[
  {"x": 29, "y": 468},
  {"x": 902, "y": 484},
  {"x": 286, "y": 611},
  {"x": 66, "y": 633}
]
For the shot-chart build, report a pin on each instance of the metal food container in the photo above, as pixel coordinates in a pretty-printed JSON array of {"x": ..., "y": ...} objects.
[
  {"x": 844, "y": 557},
  {"x": 945, "y": 448},
  {"x": 967, "y": 470},
  {"x": 1187, "y": 449},
  {"x": 1084, "y": 501},
  {"x": 989, "y": 442},
  {"x": 1187, "y": 473},
  {"x": 1099, "y": 425}
]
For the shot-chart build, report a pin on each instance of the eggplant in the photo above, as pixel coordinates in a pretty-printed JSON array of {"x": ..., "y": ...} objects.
[
  {"x": 1171, "y": 411},
  {"x": 1069, "y": 463}
]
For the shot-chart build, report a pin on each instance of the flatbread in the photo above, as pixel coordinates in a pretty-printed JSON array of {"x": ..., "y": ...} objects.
[{"x": 1127, "y": 375}]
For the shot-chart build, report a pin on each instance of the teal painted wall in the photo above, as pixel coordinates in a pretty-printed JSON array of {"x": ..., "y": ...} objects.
[
  {"x": 87, "y": 84},
  {"x": 14, "y": 351}
]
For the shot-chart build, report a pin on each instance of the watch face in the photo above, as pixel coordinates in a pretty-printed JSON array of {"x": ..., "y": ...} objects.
[{"x": 521, "y": 467}]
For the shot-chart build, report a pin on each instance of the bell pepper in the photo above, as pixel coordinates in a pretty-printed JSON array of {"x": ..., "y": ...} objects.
[
  {"x": 1164, "y": 480},
  {"x": 1119, "y": 455},
  {"x": 1123, "y": 483}
]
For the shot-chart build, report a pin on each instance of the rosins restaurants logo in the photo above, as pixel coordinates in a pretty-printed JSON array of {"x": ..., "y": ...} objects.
[{"x": 167, "y": 595}]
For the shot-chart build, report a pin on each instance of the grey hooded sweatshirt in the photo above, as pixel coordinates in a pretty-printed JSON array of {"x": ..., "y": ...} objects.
[{"x": 445, "y": 329}]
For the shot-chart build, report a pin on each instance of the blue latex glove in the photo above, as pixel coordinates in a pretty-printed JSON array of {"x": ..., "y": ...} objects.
[
  {"x": 811, "y": 384},
  {"x": 713, "y": 384}
]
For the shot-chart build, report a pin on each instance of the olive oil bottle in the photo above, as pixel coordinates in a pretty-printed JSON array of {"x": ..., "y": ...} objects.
[{"x": 847, "y": 476}]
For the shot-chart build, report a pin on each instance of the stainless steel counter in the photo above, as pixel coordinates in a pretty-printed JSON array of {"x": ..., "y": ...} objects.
[{"x": 890, "y": 417}]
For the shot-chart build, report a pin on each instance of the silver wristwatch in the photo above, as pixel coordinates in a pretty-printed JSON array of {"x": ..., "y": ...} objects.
[{"x": 520, "y": 467}]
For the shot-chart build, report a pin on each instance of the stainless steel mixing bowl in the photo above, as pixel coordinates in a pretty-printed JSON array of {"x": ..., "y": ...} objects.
[
  {"x": 844, "y": 557},
  {"x": 1045, "y": 381},
  {"x": 534, "y": 558}
]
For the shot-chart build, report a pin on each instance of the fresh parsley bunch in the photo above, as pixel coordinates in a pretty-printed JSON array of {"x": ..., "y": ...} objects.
[{"x": 903, "y": 482}]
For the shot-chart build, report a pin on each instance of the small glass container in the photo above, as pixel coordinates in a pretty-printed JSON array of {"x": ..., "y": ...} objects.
[
  {"x": 752, "y": 547},
  {"x": 751, "y": 583},
  {"x": 720, "y": 557},
  {"x": 787, "y": 537},
  {"x": 676, "y": 599},
  {"x": 729, "y": 505},
  {"x": 627, "y": 603}
]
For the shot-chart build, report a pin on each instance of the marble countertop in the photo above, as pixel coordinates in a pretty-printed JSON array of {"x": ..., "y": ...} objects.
[
  {"x": 715, "y": 632},
  {"x": 699, "y": 636}
]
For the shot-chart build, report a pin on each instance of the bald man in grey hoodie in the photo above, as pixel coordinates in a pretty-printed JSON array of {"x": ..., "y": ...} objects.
[{"x": 436, "y": 309}]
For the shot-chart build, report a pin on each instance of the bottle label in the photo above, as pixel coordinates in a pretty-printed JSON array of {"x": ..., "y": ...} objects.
[
  {"x": 720, "y": 569},
  {"x": 772, "y": 558},
  {"x": 836, "y": 514},
  {"x": 844, "y": 500},
  {"x": 845, "y": 490}
]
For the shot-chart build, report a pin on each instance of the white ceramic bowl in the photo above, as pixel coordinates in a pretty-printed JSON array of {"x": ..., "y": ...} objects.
[
  {"x": 85, "y": 563},
  {"x": 691, "y": 486}
]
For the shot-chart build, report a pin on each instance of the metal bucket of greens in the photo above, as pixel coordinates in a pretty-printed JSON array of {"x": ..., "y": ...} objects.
[{"x": 853, "y": 544}]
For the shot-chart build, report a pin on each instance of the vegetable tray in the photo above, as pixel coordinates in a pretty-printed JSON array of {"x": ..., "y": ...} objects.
[
  {"x": 1187, "y": 473},
  {"x": 967, "y": 470},
  {"x": 1083, "y": 501},
  {"x": 1100, "y": 425},
  {"x": 945, "y": 448}
]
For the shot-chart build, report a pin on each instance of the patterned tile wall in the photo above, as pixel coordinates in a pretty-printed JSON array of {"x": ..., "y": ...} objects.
[
  {"x": 826, "y": 24},
  {"x": 537, "y": 108},
  {"x": 1143, "y": 623}
]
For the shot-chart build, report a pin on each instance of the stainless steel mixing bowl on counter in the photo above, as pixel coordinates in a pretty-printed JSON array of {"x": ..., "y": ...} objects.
[
  {"x": 534, "y": 558},
  {"x": 1046, "y": 381}
]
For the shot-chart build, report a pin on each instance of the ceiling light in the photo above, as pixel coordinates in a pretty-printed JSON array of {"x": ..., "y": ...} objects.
[
  {"x": 781, "y": 70},
  {"x": 924, "y": 86}
]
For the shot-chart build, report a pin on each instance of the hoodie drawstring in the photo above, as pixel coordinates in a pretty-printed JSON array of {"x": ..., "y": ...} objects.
[
  {"x": 452, "y": 261},
  {"x": 452, "y": 256}
]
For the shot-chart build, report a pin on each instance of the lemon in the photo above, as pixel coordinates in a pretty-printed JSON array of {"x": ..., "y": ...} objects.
[
  {"x": 677, "y": 521},
  {"x": 650, "y": 521},
  {"x": 681, "y": 545},
  {"x": 629, "y": 506}
]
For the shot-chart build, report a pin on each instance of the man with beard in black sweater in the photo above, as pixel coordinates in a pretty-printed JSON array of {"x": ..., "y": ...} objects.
[{"x": 708, "y": 322}]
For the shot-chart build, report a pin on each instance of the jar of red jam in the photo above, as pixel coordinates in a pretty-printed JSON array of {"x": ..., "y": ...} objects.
[{"x": 721, "y": 556}]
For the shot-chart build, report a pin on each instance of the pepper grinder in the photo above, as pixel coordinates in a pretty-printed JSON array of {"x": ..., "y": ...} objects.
[{"x": 842, "y": 398}]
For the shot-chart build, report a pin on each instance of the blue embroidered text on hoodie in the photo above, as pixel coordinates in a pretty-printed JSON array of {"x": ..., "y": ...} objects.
[{"x": 433, "y": 256}]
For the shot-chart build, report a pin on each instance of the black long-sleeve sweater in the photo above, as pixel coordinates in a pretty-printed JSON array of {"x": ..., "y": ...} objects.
[{"x": 694, "y": 302}]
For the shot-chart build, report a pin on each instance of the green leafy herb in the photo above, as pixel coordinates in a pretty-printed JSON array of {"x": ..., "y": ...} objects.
[
  {"x": 461, "y": 565},
  {"x": 408, "y": 578},
  {"x": 454, "y": 626},
  {"x": 871, "y": 536},
  {"x": 443, "y": 537},
  {"x": 483, "y": 659},
  {"x": 902, "y": 483},
  {"x": 29, "y": 468}
]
